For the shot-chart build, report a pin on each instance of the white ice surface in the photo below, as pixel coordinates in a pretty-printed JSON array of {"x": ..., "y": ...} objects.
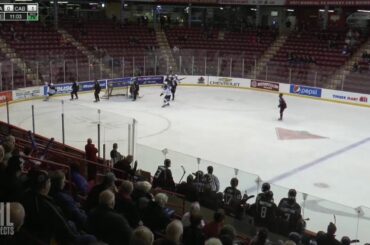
[{"x": 236, "y": 128}]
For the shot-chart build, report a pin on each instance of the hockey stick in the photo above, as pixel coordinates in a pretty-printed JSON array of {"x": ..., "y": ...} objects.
[
  {"x": 45, "y": 151},
  {"x": 183, "y": 174},
  {"x": 33, "y": 141},
  {"x": 335, "y": 219},
  {"x": 355, "y": 241}
]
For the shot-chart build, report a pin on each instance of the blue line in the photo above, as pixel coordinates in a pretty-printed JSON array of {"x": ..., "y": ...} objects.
[{"x": 318, "y": 161}]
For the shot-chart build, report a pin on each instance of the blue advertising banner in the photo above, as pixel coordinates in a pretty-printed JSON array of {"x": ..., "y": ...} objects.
[
  {"x": 304, "y": 90},
  {"x": 66, "y": 88}
]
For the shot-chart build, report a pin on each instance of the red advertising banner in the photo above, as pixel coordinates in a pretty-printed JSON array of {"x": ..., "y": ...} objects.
[
  {"x": 329, "y": 2},
  {"x": 6, "y": 95},
  {"x": 253, "y": 2},
  {"x": 265, "y": 85},
  {"x": 189, "y": 1}
]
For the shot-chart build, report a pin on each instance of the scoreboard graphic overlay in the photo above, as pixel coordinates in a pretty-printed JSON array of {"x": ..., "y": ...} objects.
[{"x": 19, "y": 11}]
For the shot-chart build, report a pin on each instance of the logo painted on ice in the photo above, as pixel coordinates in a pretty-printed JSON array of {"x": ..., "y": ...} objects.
[{"x": 304, "y": 90}]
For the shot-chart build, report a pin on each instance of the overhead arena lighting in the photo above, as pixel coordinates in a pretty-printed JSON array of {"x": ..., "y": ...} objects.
[
  {"x": 290, "y": 10},
  {"x": 363, "y": 11},
  {"x": 329, "y": 11}
]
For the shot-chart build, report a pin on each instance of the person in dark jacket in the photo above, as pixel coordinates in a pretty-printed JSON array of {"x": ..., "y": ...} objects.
[
  {"x": 65, "y": 201},
  {"x": 92, "y": 200},
  {"x": 163, "y": 177},
  {"x": 193, "y": 234},
  {"x": 108, "y": 225},
  {"x": 329, "y": 237},
  {"x": 80, "y": 182},
  {"x": 75, "y": 88},
  {"x": 154, "y": 216},
  {"x": 135, "y": 89},
  {"x": 11, "y": 185},
  {"x": 188, "y": 189},
  {"x": 126, "y": 206},
  {"x": 97, "y": 90},
  {"x": 125, "y": 165},
  {"x": 91, "y": 151},
  {"x": 44, "y": 218}
]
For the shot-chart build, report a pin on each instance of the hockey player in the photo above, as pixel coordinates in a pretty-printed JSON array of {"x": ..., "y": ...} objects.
[
  {"x": 282, "y": 105},
  {"x": 233, "y": 198},
  {"x": 266, "y": 212},
  {"x": 174, "y": 84},
  {"x": 50, "y": 90},
  {"x": 134, "y": 89},
  {"x": 75, "y": 88},
  {"x": 265, "y": 188},
  {"x": 291, "y": 213},
  {"x": 163, "y": 177},
  {"x": 97, "y": 90},
  {"x": 167, "y": 95}
]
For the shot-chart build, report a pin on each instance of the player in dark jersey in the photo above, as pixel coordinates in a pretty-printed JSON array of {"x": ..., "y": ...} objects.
[
  {"x": 265, "y": 187},
  {"x": 266, "y": 212},
  {"x": 75, "y": 88},
  {"x": 233, "y": 198},
  {"x": 134, "y": 89},
  {"x": 282, "y": 105},
  {"x": 97, "y": 90},
  {"x": 290, "y": 212},
  {"x": 163, "y": 177}
]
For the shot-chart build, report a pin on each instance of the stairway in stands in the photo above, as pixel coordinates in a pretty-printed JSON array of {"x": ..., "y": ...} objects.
[
  {"x": 17, "y": 69},
  {"x": 166, "y": 53},
  {"x": 346, "y": 79},
  {"x": 261, "y": 64},
  {"x": 92, "y": 59}
]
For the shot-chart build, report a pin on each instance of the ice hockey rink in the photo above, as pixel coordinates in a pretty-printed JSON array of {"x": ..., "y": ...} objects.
[{"x": 320, "y": 148}]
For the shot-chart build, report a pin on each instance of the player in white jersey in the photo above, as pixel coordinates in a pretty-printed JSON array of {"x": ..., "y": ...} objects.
[
  {"x": 50, "y": 90},
  {"x": 167, "y": 95}
]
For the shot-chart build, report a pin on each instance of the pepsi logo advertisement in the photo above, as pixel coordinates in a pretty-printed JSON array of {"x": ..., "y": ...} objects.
[{"x": 304, "y": 90}]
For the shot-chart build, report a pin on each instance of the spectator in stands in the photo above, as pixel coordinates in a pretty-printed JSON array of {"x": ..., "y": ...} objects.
[
  {"x": 188, "y": 189},
  {"x": 163, "y": 177},
  {"x": 10, "y": 182},
  {"x": 142, "y": 236},
  {"x": 295, "y": 237},
  {"x": 44, "y": 219},
  {"x": 213, "y": 228},
  {"x": 126, "y": 206},
  {"x": 194, "y": 210},
  {"x": 125, "y": 165},
  {"x": 9, "y": 147},
  {"x": 193, "y": 234},
  {"x": 115, "y": 155},
  {"x": 174, "y": 231},
  {"x": 78, "y": 180},
  {"x": 213, "y": 241},
  {"x": 93, "y": 198},
  {"x": 355, "y": 67},
  {"x": 106, "y": 224},
  {"x": 329, "y": 237},
  {"x": 211, "y": 180},
  {"x": 176, "y": 49},
  {"x": 65, "y": 201},
  {"x": 260, "y": 238},
  {"x": 142, "y": 190},
  {"x": 154, "y": 215},
  {"x": 91, "y": 151},
  {"x": 290, "y": 212}
]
